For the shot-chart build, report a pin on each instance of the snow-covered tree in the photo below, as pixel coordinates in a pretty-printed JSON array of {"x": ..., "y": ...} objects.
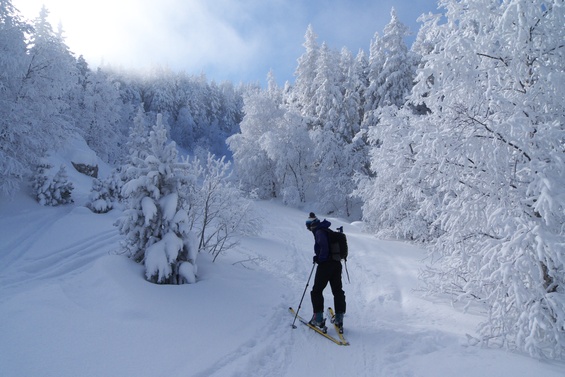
[
  {"x": 25, "y": 136},
  {"x": 391, "y": 68},
  {"x": 36, "y": 75},
  {"x": 97, "y": 115},
  {"x": 41, "y": 182},
  {"x": 155, "y": 221},
  {"x": 15, "y": 161},
  {"x": 288, "y": 146},
  {"x": 395, "y": 77},
  {"x": 332, "y": 132},
  {"x": 138, "y": 139},
  {"x": 386, "y": 129},
  {"x": 390, "y": 192},
  {"x": 273, "y": 152},
  {"x": 49, "y": 77},
  {"x": 304, "y": 85},
  {"x": 360, "y": 79},
  {"x": 352, "y": 87},
  {"x": 375, "y": 64},
  {"x": 255, "y": 170},
  {"x": 487, "y": 164}
]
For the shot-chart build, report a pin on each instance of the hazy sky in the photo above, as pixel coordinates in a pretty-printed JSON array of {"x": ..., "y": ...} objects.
[{"x": 236, "y": 40}]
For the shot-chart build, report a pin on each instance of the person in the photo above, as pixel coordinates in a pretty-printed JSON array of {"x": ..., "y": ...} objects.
[{"x": 328, "y": 271}]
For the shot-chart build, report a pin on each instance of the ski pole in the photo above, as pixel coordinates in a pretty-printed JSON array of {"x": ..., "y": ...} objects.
[{"x": 300, "y": 305}]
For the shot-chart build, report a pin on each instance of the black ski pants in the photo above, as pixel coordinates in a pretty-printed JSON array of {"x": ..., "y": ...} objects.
[{"x": 328, "y": 272}]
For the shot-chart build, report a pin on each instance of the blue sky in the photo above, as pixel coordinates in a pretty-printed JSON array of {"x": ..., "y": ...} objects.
[{"x": 236, "y": 40}]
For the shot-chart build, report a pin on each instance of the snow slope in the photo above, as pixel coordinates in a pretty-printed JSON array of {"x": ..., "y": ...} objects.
[{"x": 71, "y": 306}]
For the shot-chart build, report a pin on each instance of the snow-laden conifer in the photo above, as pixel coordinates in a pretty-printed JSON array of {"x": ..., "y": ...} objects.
[
  {"x": 394, "y": 78},
  {"x": 305, "y": 84},
  {"x": 155, "y": 221}
]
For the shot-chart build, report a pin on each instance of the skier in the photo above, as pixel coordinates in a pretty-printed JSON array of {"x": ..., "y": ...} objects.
[{"x": 328, "y": 271}]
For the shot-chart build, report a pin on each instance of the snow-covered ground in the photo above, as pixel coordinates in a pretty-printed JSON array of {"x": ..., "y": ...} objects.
[{"x": 70, "y": 306}]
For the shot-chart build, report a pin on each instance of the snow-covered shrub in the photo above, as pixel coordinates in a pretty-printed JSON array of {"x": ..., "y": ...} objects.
[
  {"x": 105, "y": 194},
  {"x": 52, "y": 191},
  {"x": 220, "y": 212}
]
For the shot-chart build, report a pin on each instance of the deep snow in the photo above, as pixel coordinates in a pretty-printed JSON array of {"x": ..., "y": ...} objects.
[{"x": 71, "y": 306}]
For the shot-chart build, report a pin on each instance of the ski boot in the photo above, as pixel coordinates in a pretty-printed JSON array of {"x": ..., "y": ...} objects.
[
  {"x": 318, "y": 320},
  {"x": 338, "y": 322}
]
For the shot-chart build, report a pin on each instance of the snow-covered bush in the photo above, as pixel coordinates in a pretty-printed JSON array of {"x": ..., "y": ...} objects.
[
  {"x": 52, "y": 190},
  {"x": 105, "y": 194},
  {"x": 219, "y": 211}
]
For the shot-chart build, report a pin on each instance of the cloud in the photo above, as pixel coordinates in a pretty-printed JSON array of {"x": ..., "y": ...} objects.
[
  {"x": 187, "y": 35},
  {"x": 190, "y": 34},
  {"x": 225, "y": 39}
]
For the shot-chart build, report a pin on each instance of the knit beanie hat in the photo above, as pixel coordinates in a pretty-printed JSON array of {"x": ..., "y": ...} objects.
[{"x": 311, "y": 221}]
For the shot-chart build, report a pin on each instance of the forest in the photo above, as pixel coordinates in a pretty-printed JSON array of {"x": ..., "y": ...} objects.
[{"x": 456, "y": 143}]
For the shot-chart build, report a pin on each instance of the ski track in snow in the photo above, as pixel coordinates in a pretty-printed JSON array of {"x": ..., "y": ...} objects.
[
  {"x": 374, "y": 309},
  {"x": 25, "y": 260},
  {"x": 261, "y": 355},
  {"x": 21, "y": 239},
  {"x": 377, "y": 325},
  {"x": 70, "y": 259}
]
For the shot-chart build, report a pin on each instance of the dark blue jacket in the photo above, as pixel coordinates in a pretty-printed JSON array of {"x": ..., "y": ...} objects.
[{"x": 322, "y": 244}]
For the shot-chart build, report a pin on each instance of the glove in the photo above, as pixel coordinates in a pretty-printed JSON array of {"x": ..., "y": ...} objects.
[{"x": 315, "y": 259}]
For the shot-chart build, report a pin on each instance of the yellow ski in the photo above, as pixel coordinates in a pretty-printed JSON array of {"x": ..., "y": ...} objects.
[
  {"x": 337, "y": 329},
  {"x": 318, "y": 330}
]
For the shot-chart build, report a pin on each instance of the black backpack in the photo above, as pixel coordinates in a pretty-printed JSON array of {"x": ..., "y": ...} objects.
[{"x": 338, "y": 244}]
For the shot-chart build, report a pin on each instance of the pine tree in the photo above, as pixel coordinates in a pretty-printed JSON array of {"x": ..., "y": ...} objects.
[
  {"x": 374, "y": 67},
  {"x": 155, "y": 221},
  {"x": 304, "y": 85},
  {"x": 396, "y": 75},
  {"x": 331, "y": 133}
]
